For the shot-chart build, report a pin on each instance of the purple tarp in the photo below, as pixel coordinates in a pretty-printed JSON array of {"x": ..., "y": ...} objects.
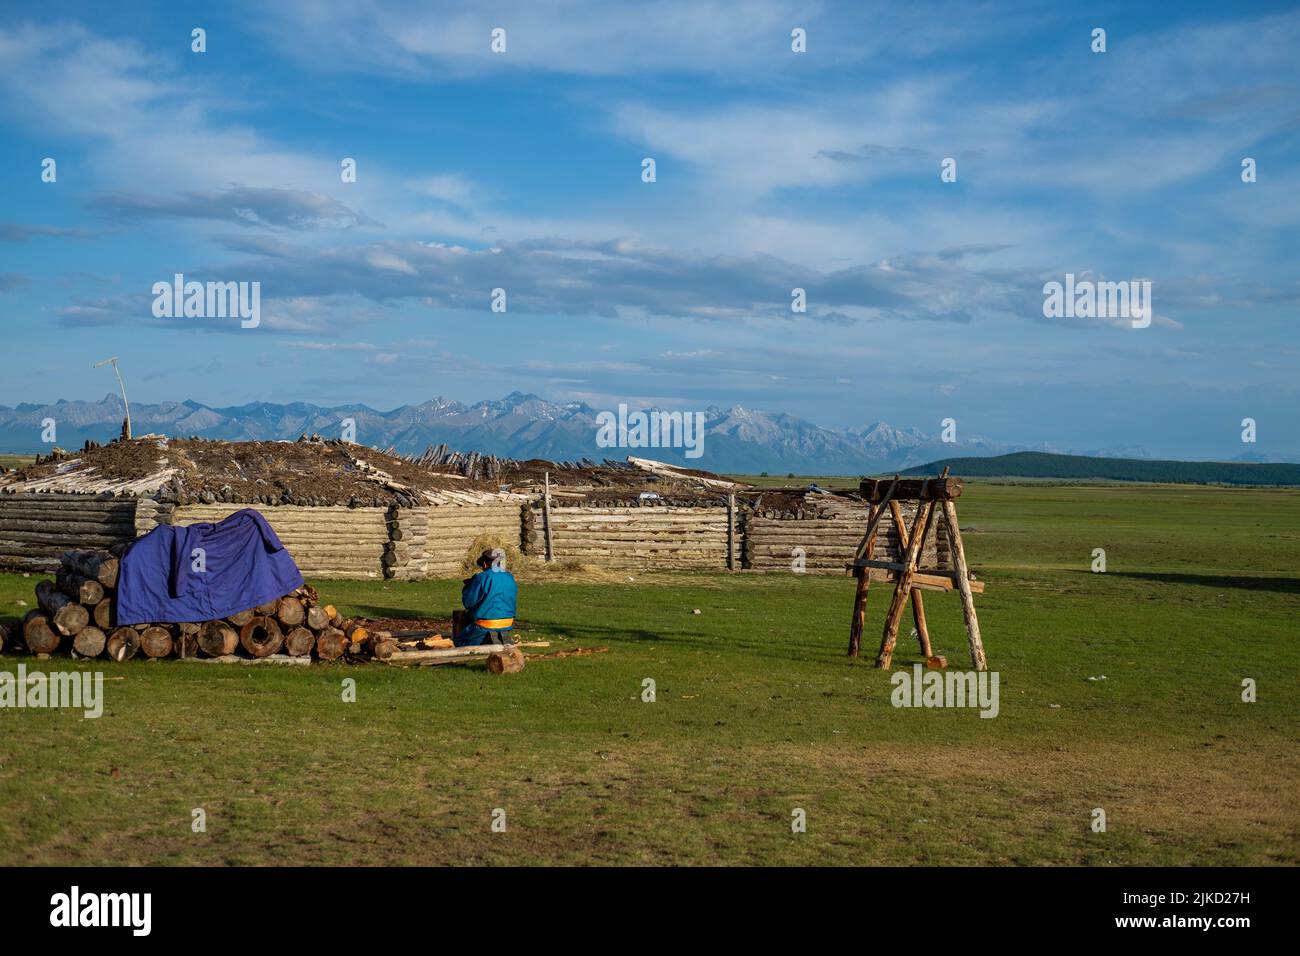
[{"x": 200, "y": 572}]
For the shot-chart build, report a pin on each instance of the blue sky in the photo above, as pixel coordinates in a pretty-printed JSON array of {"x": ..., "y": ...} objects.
[{"x": 775, "y": 169}]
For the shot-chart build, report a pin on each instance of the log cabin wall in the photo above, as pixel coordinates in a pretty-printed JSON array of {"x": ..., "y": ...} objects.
[
  {"x": 35, "y": 528},
  {"x": 326, "y": 542},
  {"x": 434, "y": 542},
  {"x": 826, "y": 542},
  {"x": 641, "y": 538}
]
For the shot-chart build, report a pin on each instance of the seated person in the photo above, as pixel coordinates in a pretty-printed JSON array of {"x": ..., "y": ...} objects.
[{"x": 489, "y": 597}]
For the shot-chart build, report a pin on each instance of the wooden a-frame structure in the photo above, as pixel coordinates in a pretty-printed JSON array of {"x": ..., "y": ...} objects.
[{"x": 931, "y": 495}]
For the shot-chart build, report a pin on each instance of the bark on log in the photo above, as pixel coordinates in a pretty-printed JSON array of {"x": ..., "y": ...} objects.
[
  {"x": 81, "y": 589},
  {"x": 268, "y": 609},
  {"x": 100, "y": 565},
  {"x": 298, "y": 642},
  {"x": 509, "y": 661},
  {"x": 123, "y": 643},
  {"x": 355, "y": 632},
  {"x": 156, "y": 641},
  {"x": 89, "y": 642},
  {"x": 331, "y": 644},
  {"x": 289, "y": 612},
  {"x": 240, "y": 618},
  {"x": 383, "y": 648},
  {"x": 39, "y": 634},
  {"x": 187, "y": 641},
  {"x": 103, "y": 614},
  {"x": 218, "y": 639},
  {"x": 261, "y": 636},
  {"x": 67, "y": 616}
]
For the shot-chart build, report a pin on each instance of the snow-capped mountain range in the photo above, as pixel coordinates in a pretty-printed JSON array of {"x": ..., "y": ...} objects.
[{"x": 737, "y": 440}]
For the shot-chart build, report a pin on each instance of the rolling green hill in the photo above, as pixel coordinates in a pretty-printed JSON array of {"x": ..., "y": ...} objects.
[{"x": 1033, "y": 464}]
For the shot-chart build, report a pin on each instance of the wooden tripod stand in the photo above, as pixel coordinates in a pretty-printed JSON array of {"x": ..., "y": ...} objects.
[{"x": 910, "y": 580}]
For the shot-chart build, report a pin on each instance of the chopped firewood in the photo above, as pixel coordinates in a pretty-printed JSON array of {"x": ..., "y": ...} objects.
[
  {"x": 98, "y": 565},
  {"x": 123, "y": 643},
  {"x": 261, "y": 636},
  {"x": 508, "y": 661},
  {"x": 299, "y": 641},
  {"x": 290, "y": 612},
  {"x": 39, "y": 634},
  {"x": 331, "y": 644},
  {"x": 218, "y": 639},
  {"x": 317, "y": 618},
  {"x": 89, "y": 642},
  {"x": 156, "y": 641},
  {"x": 103, "y": 614},
  {"x": 67, "y": 616}
]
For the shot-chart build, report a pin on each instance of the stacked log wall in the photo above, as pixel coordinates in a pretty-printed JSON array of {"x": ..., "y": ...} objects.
[
  {"x": 441, "y": 535},
  {"x": 825, "y": 544},
  {"x": 36, "y": 528},
  {"x": 326, "y": 542},
  {"x": 643, "y": 538}
]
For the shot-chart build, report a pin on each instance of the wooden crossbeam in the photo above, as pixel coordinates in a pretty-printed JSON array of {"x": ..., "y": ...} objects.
[{"x": 876, "y": 490}]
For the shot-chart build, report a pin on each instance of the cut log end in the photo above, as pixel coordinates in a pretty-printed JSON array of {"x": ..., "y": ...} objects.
[{"x": 261, "y": 636}]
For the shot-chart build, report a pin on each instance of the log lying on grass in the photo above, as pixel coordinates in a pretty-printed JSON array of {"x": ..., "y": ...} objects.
[
  {"x": 331, "y": 644},
  {"x": 123, "y": 643},
  {"x": 261, "y": 636},
  {"x": 67, "y": 616},
  {"x": 508, "y": 661},
  {"x": 89, "y": 642},
  {"x": 156, "y": 641},
  {"x": 39, "y": 634},
  {"x": 218, "y": 639}
]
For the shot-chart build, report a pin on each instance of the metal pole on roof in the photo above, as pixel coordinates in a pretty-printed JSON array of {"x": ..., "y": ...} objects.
[{"x": 113, "y": 361}]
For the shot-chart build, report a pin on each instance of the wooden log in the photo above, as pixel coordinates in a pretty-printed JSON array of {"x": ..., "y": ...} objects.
[
  {"x": 240, "y": 618},
  {"x": 100, "y": 565},
  {"x": 67, "y": 616},
  {"x": 508, "y": 661},
  {"x": 81, "y": 589},
  {"x": 902, "y": 589},
  {"x": 331, "y": 644},
  {"x": 911, "y": 489},
  {"x": 290, "y": 612},
  {"x": 103, "y": 614},
  {"x": 234, "y": 659},
  {"x": 962, "y": 575},
  {"x": 383, "y": 648},
  {"x": 39, "y": 633},
  {"x": 218, "y": 639},
  {"x": 317, "y": 618},
  {"x": 862, "y": 586},
  {"x": 187, "y": 640},
  {"x": 918, "y": 606},
  {"x": 299, "y": 641},
  {"x": 123, "y": 643},
  {"x": 4, "y": 636},
  {"x": 356, "y": 633},
  {"x": 332, "y": 611},
  {"x": 156, "y": 641},
  {"x": 261, "y": 636},
  {"x": 89, "y": 642},
  {"x": 268, "y": 609}
]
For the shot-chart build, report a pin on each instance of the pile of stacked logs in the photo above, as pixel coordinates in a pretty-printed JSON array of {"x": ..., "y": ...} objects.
[{"x": 75, "y": 613}]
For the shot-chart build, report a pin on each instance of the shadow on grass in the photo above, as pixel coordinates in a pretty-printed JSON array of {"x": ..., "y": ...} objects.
[{"x": 1245, "y": 582}]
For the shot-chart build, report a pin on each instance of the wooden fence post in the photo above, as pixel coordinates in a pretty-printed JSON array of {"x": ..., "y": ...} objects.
[{"x": 546, "y": 517}]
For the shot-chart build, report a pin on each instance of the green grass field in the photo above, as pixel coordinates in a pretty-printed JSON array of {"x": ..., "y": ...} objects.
[{"x": 758, "y": 712}]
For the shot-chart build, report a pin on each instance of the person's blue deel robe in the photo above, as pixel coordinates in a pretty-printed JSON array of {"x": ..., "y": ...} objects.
[
  {"x": 488, "y": 596},
  {"x": 243, "y": 565}
]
